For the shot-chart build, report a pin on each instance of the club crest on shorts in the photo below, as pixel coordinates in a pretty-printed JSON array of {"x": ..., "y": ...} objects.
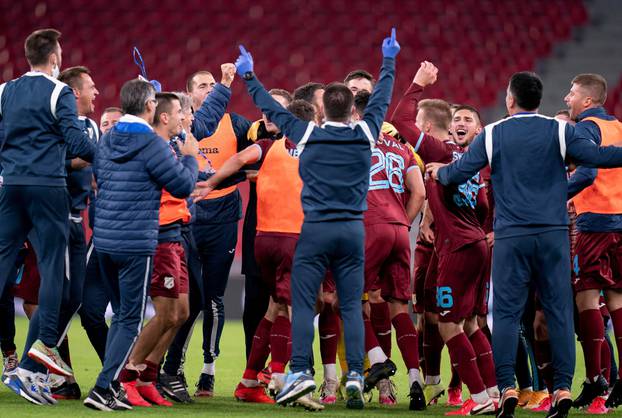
[{"x": 169, "y": 282}]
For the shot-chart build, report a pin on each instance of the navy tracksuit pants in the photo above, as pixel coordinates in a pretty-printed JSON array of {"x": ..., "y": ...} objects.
[
  {"x": 127, "y": 278},
  {"x": 216, "y": 249},
  {"x": 42, "y": 212},
  {"x": 75, "y": 271},
  {"x": 544, "y": 259},
  {"x": 95, "y": 300},
  {"x": 340, "y": 246}
]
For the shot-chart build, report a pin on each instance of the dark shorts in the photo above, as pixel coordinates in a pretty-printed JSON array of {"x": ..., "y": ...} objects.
[
  {"x": 481, "y": 306},
  {"x": 429, "y": 285},
  {"x": 423, "y": 255},
  {"x": 170, "y": 274},
  {"x": 387, "y": 261},
  {"x": 598, "y": 261},
  {"x": 274, "y": 253},
  {"x": 459, "y": 282},
  {"x": 28, "y": 287}
]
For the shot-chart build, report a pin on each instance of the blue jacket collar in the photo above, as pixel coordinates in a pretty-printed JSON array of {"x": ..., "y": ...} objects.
[{"x": 594, "y": 111}]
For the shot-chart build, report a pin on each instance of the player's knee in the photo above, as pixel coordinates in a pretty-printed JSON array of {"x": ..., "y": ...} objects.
[
  {"x": 375, "y": 296},
  {"x": 540, "y": 329}
]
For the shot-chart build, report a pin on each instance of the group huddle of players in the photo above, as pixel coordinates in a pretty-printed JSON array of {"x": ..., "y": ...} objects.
[{"x": 449, "y": 287}]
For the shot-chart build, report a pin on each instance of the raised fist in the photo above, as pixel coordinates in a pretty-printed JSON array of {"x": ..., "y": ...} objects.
[
  {"x": 228, "y": 73},
  {"x": 426, "y": 74}
]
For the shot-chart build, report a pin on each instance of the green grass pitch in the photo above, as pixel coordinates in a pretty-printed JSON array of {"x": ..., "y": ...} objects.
[{"x": 229, "y": 368}]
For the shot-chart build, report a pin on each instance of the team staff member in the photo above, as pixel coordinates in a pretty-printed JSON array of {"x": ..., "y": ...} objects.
[
  {"x": 599, "y": 225},
  {"x": 215, "y": 226},
  {"x": 126, "y": 221},
  {"x": 34, "y": 197},
  {"x": 531, "y": 226},
  {"x": 333, "y": 214},
  {"x": 279, "y": 218}
]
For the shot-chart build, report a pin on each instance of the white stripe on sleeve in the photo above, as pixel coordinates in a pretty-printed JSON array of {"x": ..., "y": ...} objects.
[
  {"x": 488, "y": 142},
  {"x": 54, "y": 97},
  {"x": 561, "y": 133},
  {"x": 305, "y": 138}
]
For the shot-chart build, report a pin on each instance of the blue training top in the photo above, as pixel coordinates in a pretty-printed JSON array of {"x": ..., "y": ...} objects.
[
  {"x": 527, "y": 154},
  {"x": 335, "y": 158},
  {"x": 40, "y": 124}
]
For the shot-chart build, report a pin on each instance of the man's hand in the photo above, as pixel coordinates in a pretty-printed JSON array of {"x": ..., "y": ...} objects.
[
  {"x": 426, "y": 74},
  {"x": 244, "y": 63},
  {"x": 228, "y": 73},
  {"x": 390, "y": 46},
  {"x": 190, "y": 146},
  {"x": 78, "y": 164},
  {"x": 490, "y": 239},
  {"x": 426, "y": 232},
  {"x": 203, "y": 189},
  {"x": 251, "y": 175},
  {"x": 432, "y": 169}
]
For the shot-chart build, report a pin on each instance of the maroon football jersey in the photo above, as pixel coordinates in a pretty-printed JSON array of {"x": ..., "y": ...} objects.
[
  {"x": 456, "y": 207},
  {"x": 387, "y": 195}
]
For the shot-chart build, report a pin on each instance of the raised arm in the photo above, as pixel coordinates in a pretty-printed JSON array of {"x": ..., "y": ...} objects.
[
  {"x": 291, "y": 126},
  {"x": 207, "y": 117},
  {"x": 77, "y": 140},
  {"x": 404, "y": 115},
  {"x": 380, "y": 99},
  {"x": 466, "y": 167}
]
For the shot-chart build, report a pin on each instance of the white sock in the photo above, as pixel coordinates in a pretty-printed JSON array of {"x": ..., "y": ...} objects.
[
  {"x": 376, "y": 355},
  {"x": 481, "y": 397},
  {"x": 415, "y": 376},
  {"x": 493, "y": 392},
  {"x": 432, "y": 380},
  {"x": 330, "y": 371},
  {"x": 249, "y": 383},
  {"x": 209, "y": 368}
]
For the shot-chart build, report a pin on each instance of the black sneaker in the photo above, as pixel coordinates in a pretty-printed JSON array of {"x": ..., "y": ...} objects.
[
  {"x": 378, "y": 372},
  {"x": 590, "y": 391},
  {"x": 102, "y": 400},
  {"x": 560, "y": 405},
  {"x": 205, "y": 386},
  {"x": 119, "y": 394},
  {"x": 417, "y": 399},
  {"x": 615, "y": 396},
  {"x": 67, "y": 391},
  {"x": 174, "y": 387}
]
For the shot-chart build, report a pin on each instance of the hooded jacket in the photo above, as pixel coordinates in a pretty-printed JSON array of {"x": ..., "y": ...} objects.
[{"x": 132, "y": 165}]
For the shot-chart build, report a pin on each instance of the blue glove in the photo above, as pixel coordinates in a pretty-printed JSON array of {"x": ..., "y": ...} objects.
[
  {"x": 244, "y": 63},
  {"x": 390, "y": 46},
  {"x": 156, "y": 84}
]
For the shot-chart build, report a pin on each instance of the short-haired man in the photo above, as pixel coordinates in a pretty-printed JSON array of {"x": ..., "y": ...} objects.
[
  {"x": 598, "y": 202},
  {"x": 110, "y": 116},
  {"x": 79, "y": 185},
  {"x": 169, "y": 281},
  {"x": 531, "y": 226},
  {"x": 312, "y": 92},
  {"x": 460, "y": 249},
  {"x": 334, "y": 167},
  {"x": 34, "y": 196},
  {"x": 279, "y": 219},
  {"x": 396, "y": 194},
  {"x": 215, "y": 226},
  {"x": 132, "y": 166},
  {"x": 359, "y": 80}
]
